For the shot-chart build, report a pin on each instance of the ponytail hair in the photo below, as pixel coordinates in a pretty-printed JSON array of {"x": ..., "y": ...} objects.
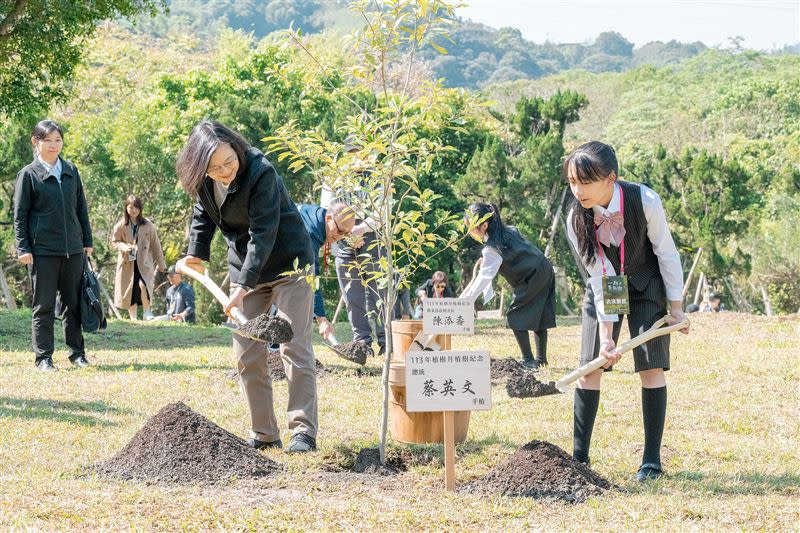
[
  {"x": 590, "y": 162},
  {"x": 496, "y": 229}
]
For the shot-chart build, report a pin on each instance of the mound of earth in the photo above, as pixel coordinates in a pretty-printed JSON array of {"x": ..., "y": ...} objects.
[
  {"x": 525, "y": 385},
  {"x": 271, "y": 329},
  {"x": 368, "y": 461},
  {"x": 502, "y": 369},
  {"x": 178, "y": 445},
  {"x": 278, "y": 373},
  {"x": 542, "y": 470}
]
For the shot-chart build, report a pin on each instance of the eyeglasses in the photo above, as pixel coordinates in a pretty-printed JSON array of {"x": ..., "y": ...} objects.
[{"x": 220, "y": 170}]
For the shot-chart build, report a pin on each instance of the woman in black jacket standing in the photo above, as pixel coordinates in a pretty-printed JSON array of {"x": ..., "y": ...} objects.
[
  {"x": 53, "y": 236},
  {"x": 239, "y": 192}
]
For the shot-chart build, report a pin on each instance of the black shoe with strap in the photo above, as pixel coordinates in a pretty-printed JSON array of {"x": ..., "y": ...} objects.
[{"x": 649, "y": 471}]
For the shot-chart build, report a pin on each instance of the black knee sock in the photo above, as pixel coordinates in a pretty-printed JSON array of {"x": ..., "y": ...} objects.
[
  {"x": 524, "y": 342},
  {"x": 540, "y": 339},
  {"x": 654, "y": 412},
  {"x": 585, "y": 409}
]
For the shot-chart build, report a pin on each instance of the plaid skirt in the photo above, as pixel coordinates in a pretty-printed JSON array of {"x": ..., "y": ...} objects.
[{"x": 646, "y": 307}]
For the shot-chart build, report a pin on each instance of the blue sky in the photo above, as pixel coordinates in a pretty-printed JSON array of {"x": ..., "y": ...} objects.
[{"x": 764, "y": 24}]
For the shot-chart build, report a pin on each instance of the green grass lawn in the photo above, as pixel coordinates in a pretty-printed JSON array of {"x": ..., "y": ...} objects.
[{"x": 731, "y": 440}]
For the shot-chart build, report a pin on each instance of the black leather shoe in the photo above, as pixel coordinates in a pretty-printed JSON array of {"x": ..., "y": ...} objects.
[
  {"x": 649, "y": 471},
  {"x": 80, "y": 361},
  {"x": 301, "y": 443},
  {"x": 541, "y": 361},
  {"x": 530, "y": 364},
  {"x": 46, "y": 365},
  {"x": 260, "y": 444}
]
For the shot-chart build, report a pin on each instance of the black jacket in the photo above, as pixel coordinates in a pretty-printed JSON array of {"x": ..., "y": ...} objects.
[
  {"x": 50, "y": 218},
  {"x": 261, "y": 224}
]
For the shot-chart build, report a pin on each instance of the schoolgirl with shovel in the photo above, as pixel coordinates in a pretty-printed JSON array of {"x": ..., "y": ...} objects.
[{"x": 621, "y": 233}]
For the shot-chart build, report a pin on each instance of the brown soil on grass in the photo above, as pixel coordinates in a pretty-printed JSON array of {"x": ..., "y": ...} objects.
[
  {"x": 542, "y": 470},
  {"x": 178, "y": 445}
]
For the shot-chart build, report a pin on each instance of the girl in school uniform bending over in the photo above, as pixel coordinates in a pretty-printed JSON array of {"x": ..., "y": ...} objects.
[
  {"x": 621, "y": 233},
  {"x": 527, "y": 270}
]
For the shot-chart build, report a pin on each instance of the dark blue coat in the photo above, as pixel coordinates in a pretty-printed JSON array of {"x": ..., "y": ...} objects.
[{"x": 314, "y": 221}]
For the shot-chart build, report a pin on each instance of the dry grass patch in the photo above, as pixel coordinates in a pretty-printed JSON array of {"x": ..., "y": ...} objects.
[{"x": 731, "y": 441}]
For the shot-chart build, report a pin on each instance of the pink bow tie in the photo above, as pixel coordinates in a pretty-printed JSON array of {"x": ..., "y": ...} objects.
[{"x": 609, "y": 225}]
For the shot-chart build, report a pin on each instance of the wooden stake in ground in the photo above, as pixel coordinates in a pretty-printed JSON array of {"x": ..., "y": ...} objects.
[{"x": 449, "y": 451}]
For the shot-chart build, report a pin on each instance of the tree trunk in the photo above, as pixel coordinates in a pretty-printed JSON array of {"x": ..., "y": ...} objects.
[
  {"x": 767, "y": 302},
  {"x": 691, "y": 272},
  {"x": 554, "y": 224},
  {"x": 10, "y": 303}
]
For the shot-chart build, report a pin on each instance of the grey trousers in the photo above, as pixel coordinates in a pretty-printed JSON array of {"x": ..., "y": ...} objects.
[
  {"x": 294, "y": 298},
  {"x": 362, "y": 299}
]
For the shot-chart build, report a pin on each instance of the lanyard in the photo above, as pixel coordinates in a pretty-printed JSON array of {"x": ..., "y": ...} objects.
[{"x": 621, "y": 245}]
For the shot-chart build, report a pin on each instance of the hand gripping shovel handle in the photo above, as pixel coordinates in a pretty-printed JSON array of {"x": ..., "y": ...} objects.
[
  {"x": 655, "y": 331},
  {"x": 422, "y": 341},
  {"x": 212, "y": 287}
]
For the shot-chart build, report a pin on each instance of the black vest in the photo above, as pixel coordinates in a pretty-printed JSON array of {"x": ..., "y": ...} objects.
[
  {"x": 520, "y": 258},
  {"x": 641, "y": 263}
]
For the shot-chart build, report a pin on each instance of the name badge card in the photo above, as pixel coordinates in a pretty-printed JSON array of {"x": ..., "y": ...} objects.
[
  {"x": 615, "y": 295},
  {"x": 448, "y": 315}
]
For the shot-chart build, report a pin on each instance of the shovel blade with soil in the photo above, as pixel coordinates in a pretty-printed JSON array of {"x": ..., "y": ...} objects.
[
  {"x": 263, "y": 328},
  {"x": 355, "y": 352}
]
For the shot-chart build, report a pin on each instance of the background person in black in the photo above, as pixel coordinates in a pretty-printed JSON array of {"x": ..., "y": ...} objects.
[
  {"x": 53, "y": 237},
  {"x": 239, "y": 192},
  {"x": 628, "y": 221},
  {"x": 527, "y": 270}
]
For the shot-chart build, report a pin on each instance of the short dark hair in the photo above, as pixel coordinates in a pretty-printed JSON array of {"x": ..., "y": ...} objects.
[
  {"x": 192, "y": 163},
  {"x": 45, "y": 127}
]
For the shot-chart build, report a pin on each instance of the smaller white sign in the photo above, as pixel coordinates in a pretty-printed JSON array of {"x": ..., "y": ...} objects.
[
  {"x": 448, "y": 381},
  {"x": 448, "y": 315}
]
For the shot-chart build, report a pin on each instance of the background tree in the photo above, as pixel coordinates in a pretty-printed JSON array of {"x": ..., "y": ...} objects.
[{"x": 41, "y": 43}]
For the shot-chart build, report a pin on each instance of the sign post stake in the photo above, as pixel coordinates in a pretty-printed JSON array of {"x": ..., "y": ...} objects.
[{"x": 449, "y": 451}]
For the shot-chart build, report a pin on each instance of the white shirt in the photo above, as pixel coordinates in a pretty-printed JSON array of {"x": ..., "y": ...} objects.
[
  {"x": 669, "y": 261},
  {"x": 52, "y": 170},
  {"x": 220, "y": 192},
  {"x": 482, "y": 284}
]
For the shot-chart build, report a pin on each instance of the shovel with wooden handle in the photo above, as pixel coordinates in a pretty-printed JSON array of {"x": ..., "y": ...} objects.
[
  {"x": 655, "y": 331},
  {"x": 218, "y": 293},
  {"x": 424, "y": 342}
]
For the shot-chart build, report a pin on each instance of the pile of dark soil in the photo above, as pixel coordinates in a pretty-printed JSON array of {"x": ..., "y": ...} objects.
[
  {"x": 178, "y": 445},
  {"x": 542, "y": 470},
  {"x": 525, "y": 385},
  {"x": 278, "y": 373},
  {"x": 368, "y": 461},
  {"x": 272, "y": 329},
  {"x": 502, "y": 369},
  {"x": 355, "y": 352}
]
